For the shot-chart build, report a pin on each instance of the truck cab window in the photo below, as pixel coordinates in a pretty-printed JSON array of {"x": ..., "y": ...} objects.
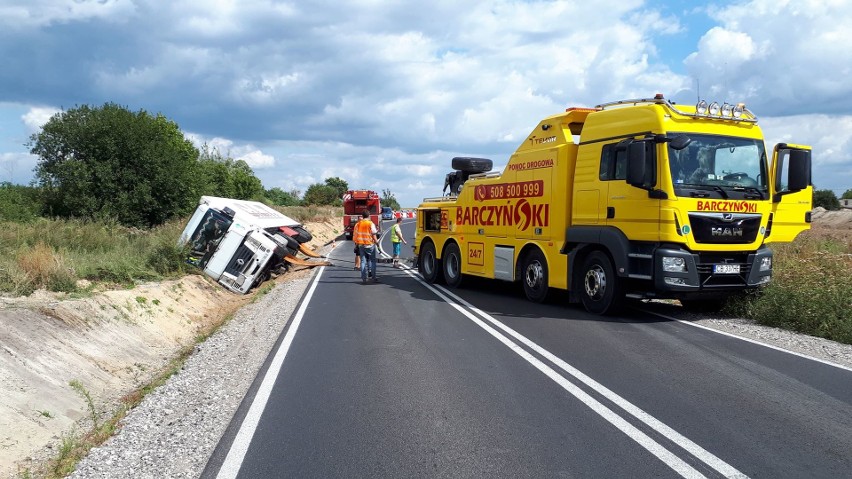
[{"x": 613, "y": 163}]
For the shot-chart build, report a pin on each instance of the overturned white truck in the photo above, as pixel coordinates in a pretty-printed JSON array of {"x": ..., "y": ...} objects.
[{"x": 242, "y": 243}]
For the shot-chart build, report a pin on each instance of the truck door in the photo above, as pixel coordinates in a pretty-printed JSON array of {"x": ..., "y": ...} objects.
[
  {"x": 630, "y": 208},
  {"x": 792, "y": 192}
]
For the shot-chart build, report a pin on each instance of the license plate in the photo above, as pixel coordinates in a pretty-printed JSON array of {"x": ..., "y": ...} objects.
[{"x": 726, "y": 268}]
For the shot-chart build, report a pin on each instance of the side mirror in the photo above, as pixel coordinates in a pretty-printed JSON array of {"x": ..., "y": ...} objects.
[
  {"x": 636, "y": 164},
  {"x": 680, "y": 142},
  {"x": 799, "y": 173}
]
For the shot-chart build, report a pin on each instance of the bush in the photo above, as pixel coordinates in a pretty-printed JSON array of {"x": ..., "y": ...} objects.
[
  {"x": 827, "y": 199},
  {"x": 168, "y": 258},
  {"x": 19, "y": 203}
]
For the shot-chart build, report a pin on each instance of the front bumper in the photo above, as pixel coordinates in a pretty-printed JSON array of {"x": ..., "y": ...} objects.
[{"x": 699, "y": 275}]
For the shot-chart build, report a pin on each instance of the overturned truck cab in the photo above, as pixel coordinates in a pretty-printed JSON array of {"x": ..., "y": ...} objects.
[{"x": 242, "y": 243}]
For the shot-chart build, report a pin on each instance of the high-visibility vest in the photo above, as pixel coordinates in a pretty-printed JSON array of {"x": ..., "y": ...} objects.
[
  {"x": 394, "y": 235},
  {"x": 363, "y": 234}
]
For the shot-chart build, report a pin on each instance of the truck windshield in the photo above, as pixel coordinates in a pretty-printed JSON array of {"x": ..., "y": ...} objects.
[
  {"x": 207, "y": 236},
  {"x": 727, "y": 165}
]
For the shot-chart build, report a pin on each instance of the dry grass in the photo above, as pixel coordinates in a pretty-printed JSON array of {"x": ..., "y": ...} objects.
[
  {"x": 42, "y": 266},
  {"x": 55, "y": 254}
]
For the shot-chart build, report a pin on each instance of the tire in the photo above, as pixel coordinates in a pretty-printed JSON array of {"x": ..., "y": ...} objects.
[
  {"x": 428, "y": 264},
  {"x": 348, "y": 236},
  {"x": 600, "y": 289},
  {"x": 452, "y": 262},
  {"x": 304, "y": 235},
  {"x": 534, "y": 275},
  {"x": 472, "y": 165}
]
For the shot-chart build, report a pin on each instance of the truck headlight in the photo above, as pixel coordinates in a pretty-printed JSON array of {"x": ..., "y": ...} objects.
[
  {"x": 674, "y": 264},
  {"x": 766, "y": 264}
]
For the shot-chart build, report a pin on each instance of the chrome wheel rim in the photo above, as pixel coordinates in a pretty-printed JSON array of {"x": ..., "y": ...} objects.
[
  {"x": 534, "y": 275},
  {"x": 595, "y": 282}
]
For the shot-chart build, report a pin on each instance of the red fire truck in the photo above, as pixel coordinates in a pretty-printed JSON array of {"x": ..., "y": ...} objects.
[{"x": 355, "y": 202}]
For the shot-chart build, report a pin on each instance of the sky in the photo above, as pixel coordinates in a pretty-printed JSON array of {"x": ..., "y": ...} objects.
[{"x": 383, "y": 94}]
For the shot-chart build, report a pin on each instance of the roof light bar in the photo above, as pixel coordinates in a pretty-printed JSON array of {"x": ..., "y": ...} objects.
[
  {"x": 738, "y": 110},
  {"x": 713, "y": 111}
]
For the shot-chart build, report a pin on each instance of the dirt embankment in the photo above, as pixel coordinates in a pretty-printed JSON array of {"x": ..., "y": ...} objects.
[{"x": 110, "y": 343}]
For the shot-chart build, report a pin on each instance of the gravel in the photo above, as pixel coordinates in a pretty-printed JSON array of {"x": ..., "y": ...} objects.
[{"x": 175, "y": 429}]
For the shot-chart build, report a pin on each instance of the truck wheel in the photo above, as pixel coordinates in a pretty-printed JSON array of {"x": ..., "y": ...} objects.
[
  {"x": 534, "y": 275},
  {"x": 348, "y": 236},
  {"x": 601, "y": 289},
  {"x": 303, "y": 235},
  {"x": 428, "y": 265},
  {"x": 472, "y": 165},
  {"x": 452, "y": 265}
]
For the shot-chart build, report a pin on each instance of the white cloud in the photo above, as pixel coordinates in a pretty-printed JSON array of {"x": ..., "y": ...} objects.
[
  {"x": 830, "y": 136},
  {"x": 37, "y": 116},
  {"x": 307, "y": 90},
  {"x": 257, "y": 159},
  {"x": 781, "y": 57}
]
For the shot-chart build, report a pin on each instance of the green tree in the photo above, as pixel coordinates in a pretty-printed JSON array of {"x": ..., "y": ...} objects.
[
  {"x": 99, "y": 162},
  {"x": 279, "y": 197},
  {"x": 340, "y": 186},
  {"x": 223, "y": 176},
  {"x": 827, "y": 199},
  {"x": 847, "y": 195},
  {"x": 320, "y": 194},
  {"x": 388, "y": 199},
  {"x": 19, "y": 203}
]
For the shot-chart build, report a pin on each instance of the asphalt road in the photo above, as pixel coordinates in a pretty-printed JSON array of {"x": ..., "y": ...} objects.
[{"x": 400, "y": 379}]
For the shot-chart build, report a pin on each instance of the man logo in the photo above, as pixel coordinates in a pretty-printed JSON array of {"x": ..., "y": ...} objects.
[
  {"x": 727, "y": 232},
  {"x": 241, "y": 261},
  {"x": 728, "y": 217}
]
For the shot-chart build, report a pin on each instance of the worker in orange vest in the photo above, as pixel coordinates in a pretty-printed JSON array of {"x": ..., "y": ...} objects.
[{"x": 364, "y": 235}]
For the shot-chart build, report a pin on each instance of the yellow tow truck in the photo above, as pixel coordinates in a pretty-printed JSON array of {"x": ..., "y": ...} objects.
[{"x": 637, "y": 198}]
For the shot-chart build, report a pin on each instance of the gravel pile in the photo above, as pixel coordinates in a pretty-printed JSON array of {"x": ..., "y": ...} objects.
[{"x": 173, "y": 432}]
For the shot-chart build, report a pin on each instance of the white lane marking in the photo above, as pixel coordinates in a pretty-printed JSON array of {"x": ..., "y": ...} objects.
[
  {"x": 234, "y": 460},
  {"x": 655, "y": 448},
  {"x": 702, "y": 454},
  {"x": 753, "y": 341}
]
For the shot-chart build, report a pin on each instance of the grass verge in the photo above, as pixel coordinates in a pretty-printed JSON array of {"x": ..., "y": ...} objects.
[{"x": 811, "y": 288}]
